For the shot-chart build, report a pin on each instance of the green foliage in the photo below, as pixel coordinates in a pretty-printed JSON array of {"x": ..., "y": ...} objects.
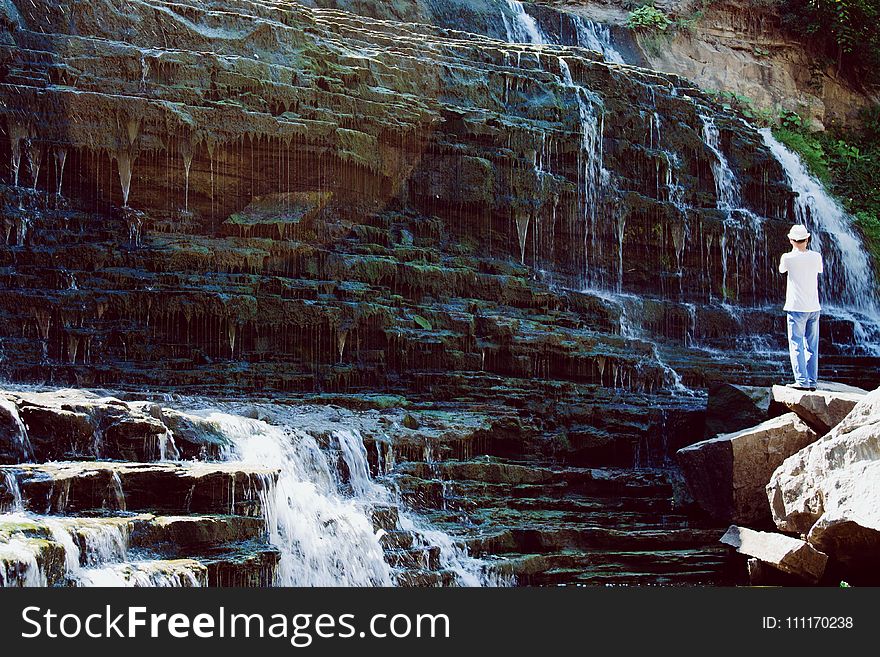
[
  {"x": 847, "y": 30},
  {"x": 648, "y": 18},
  {"x": 422, "y": 322},
  {"x": 794, "y": 133},
  {"x": 758, "y": 116},
  {"x": 869, "y": 224}
]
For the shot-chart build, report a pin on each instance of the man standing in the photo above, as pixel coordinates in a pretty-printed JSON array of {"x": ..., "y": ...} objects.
[{"x": 802, "y": 306}]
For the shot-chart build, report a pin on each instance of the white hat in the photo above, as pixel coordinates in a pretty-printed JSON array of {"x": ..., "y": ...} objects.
[{"x": 798, "y": 233}]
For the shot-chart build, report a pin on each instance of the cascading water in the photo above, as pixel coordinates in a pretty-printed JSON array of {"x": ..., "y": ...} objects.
[
  {"x": 21, "y": 430},
  {"x": 848, "y": 272},
  {"x": 596, "y": 36},
  {"x": 590, "y": 170},
  {"x": 14, "y": 491},
  {"x": 320, "y": 520},
  {"x": 745, "y": 227},
  {"x": 325, "y": 538},
  {"x": 144, "y": 574},
  {"x": 523, "y": 28},
  {"x": 95, "y": 554},
  {"x": 726, "y": 184}
]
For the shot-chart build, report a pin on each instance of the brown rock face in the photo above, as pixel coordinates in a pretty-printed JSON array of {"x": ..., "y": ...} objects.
[
  {"x": 790, "y": 555},
  {"x": 727, "y": 475}
]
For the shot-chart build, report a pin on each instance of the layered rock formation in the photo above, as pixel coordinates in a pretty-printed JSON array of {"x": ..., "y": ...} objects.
[
  {"x": 310, "y": 200},
  {"x": 384, "y": 206},
  {"x": 317, "y": 495}
]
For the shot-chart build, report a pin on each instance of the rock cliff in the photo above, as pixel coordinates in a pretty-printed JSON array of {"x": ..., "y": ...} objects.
[
  {"x": 445, "y": 207},
  {"x": 742, "y": 47}
]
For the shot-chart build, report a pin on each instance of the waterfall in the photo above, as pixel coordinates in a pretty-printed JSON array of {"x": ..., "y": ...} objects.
[
  {"x": 94, "y": 553},
  {"x": 524, "y": 28},
  {"x": 14, "y": 490},
  {"x": 319, "y": 519},
  {"x": 726, "y": 185},
  {"x": 155, "y": 574},
  {"x": 848, "y": 277},
  {"x": 596, "y": 36},
  {"x": 749, "y": 249},
  {"x": 325, "y": 538},
  {"x": 21, "y": 430},
  {"x": 590, "y": 169}
]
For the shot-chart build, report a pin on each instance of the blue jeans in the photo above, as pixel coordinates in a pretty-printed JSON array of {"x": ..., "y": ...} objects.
[{"x": 803, "y": 347}]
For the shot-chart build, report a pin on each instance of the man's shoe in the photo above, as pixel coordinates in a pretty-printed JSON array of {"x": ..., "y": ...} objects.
[{"x": 797, "y": 386}]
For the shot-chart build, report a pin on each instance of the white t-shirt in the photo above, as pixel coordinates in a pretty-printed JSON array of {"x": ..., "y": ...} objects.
[{"x": 802, "y": 292}]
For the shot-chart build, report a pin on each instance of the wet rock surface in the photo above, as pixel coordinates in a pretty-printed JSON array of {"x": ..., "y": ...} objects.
[
  {"x": 509, "y": 268},
  {"x": 530, "y": 519}
]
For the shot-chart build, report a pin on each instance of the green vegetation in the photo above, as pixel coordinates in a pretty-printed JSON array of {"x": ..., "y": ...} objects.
[
  {"x": 422, "y": 322},
  {"x": 847, "y": 30},
  {"x": 648, "y": 18},
  {"x": 761, "y": 117}
]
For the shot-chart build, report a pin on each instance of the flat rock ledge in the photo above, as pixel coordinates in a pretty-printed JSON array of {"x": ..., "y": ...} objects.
[
  {"x": 787, "y": 554},
  {"x": 822, "y": 409}
]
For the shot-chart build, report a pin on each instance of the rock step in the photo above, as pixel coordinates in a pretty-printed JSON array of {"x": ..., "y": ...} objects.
[
  {"x": 150, "y": 573},
  {"x": 385, "y": 517},
  {"x": 243, "y": 567},
  {"x": 499, "y": 516},
  {"x": 31, "y": 561},
  {"x": 566, "y": 566},
  {"x": 433, "y": 485},
  {"x": 540, "y": 540},
  {"x": 396, "y": 539},
  {"x": 425, "y": 578},
  {"x": 194, "y": 534},
  {"x": 113, "y": 551},
  {"x": 418, "y": 558},
  {"x": 169, "y": 536},
  {"x": 177, "y": 488},
  {"x": 574, "y": 504}
]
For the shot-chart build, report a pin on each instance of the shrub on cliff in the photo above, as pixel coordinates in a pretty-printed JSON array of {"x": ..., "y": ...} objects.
[{"x": 648, "y": 18}]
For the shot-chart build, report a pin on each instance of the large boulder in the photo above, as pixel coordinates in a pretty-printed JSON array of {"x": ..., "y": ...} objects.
[
  {"x": 790, "y": 555},
  {"x": 823, "y": 408},
  {"x": 830, "y": 491},
  {"x": 732, "y": 408},
  {"x": 728, "y": 475}
]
